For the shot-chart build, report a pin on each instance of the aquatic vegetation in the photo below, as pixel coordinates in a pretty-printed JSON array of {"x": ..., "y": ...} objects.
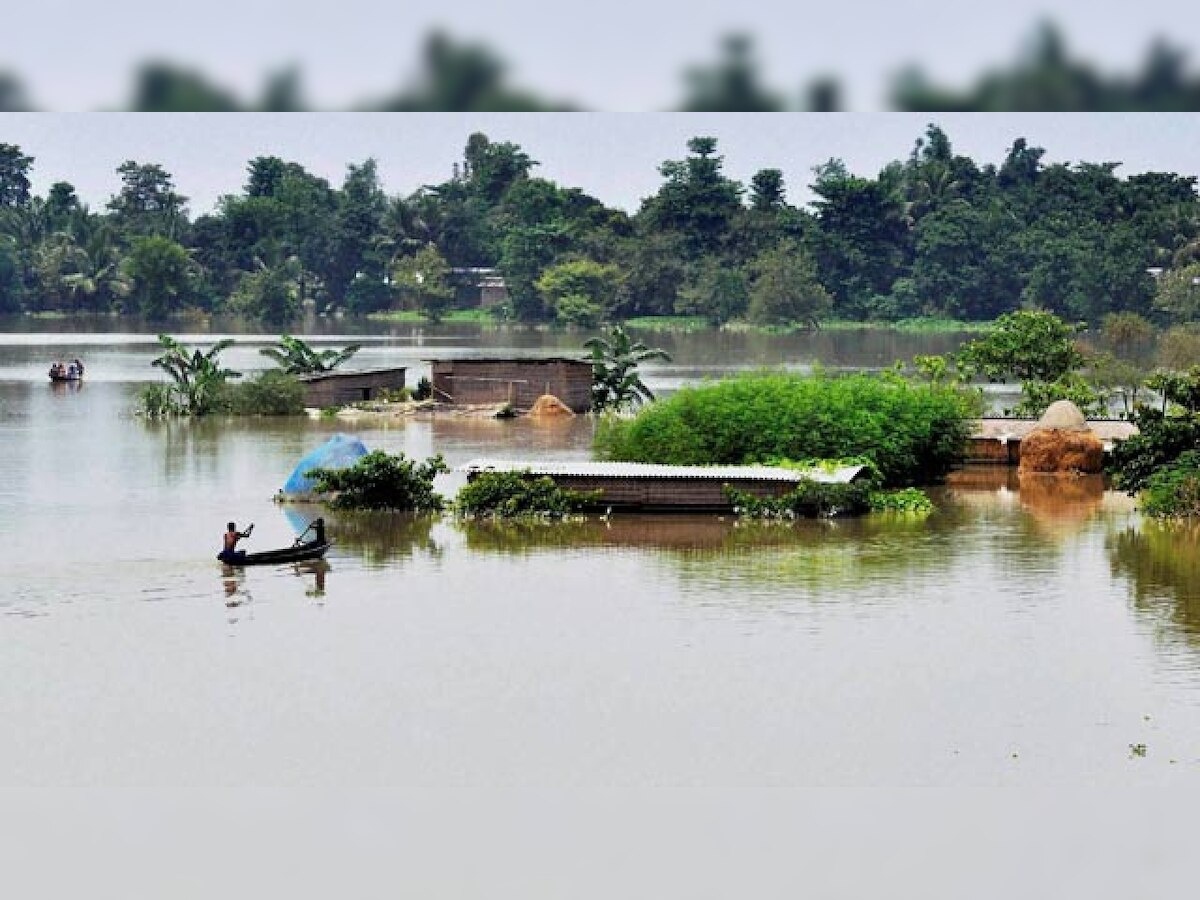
[
  {"x": 382, "y": 480},
  {"x": 270, "y": 393},
  {"x": 913, "y": 433},
  {"x": 808, "y": 500},
  {"x": 907, "y": 501},
  {"x": 516, "y": 494}
]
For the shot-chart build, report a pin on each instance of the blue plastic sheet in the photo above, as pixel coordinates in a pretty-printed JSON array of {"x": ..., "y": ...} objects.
[{"x": 339, "y": 451}]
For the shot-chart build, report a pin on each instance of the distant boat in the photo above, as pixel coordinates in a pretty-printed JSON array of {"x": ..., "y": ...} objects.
[
  {"x": 60, "y": 378},
  {"x": 299, "y": 553}
]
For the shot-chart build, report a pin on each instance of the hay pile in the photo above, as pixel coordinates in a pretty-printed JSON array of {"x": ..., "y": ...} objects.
[
  {"x": 548, "y": 405},
  {"x": 1062, "y": 443}
]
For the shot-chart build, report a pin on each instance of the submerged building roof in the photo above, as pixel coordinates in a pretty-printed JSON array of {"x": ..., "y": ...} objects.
[{"x": 588, "y": 469}]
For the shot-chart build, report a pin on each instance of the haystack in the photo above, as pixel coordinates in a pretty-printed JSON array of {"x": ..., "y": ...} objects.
[
  {"x": 548, "y": 405},
  {"x": 1062, "y": 443}
]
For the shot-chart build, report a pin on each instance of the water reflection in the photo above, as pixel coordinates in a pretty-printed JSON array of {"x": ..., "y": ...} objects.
[
  {"x": 1161, "y": 563},
  {"x": 381, "y": 537},
  {"x": 316, "y": 570}
]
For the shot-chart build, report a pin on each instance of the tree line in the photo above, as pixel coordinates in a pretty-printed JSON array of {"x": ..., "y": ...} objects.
[{"x": 933, "y": 234}]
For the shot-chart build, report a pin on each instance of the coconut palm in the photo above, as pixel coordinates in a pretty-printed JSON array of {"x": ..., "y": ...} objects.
[
  {"x": 296, "y": 357},
  {"x": 616, "y": 383}
]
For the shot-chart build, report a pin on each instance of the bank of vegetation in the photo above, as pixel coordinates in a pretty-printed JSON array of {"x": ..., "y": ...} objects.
[
  {"x": 913, "y": 433},
  {"x": 932, "y": 236}
]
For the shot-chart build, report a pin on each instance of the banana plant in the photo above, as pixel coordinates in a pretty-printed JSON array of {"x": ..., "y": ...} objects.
[
  {"x": 616, "y": 383},
  {"x": 198, "y": 374},
  {"x": 296, "y": 357}
]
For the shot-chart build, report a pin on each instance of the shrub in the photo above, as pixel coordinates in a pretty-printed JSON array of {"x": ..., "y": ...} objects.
[
  {"x": 912, "y": 433},
  {"x": 516, "y": 494},
  {"x": 1175, "y": 489},
  {"x": 381, "y": 480},
  {"x": 157, "y": 401},
  {"x": 910, "y": 501},
  {"x": 1160, "y": 440},
  {"x": 808, "y": 500},
  {"x": 270, "y": 393}
]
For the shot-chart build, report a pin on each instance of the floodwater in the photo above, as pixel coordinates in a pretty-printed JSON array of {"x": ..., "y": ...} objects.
[{"x": 1030, "y": 633}]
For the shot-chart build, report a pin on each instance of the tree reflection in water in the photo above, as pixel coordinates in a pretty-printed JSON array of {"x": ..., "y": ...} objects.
[{"x": 1161, "y": 562}]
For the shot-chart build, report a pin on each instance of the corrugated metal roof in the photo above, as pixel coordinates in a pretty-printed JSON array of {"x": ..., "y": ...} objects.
[
  {"x": 351, "y": 373},
  {"x": 585, "y": 469},
  {"x": 1016, "y": 429},
  {"x": 507, "y": 359}
]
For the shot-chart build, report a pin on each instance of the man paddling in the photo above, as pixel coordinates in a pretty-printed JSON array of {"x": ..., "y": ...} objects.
[{"x": 229, "y": 551}]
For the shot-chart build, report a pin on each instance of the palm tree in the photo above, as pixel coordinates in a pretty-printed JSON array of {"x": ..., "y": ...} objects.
[
  {"x": 616, "y": 383},
  {"x": 197, "y": 374},
  {"x": 296, "y": 357}
]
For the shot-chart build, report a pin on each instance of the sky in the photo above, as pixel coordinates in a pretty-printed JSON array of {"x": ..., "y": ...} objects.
[
  {"x": 620, "y": 54},
  {"x": 613, "y": 156}
]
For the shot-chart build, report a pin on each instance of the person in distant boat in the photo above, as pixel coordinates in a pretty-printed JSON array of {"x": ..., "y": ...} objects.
[
  {"x": 229, "y": 551},
  {"x": 72, "y": 371},
  {"x": 78, "y": 367},
  {"x": 56, "y": 370},
  {"x": 318, "y": 527}
]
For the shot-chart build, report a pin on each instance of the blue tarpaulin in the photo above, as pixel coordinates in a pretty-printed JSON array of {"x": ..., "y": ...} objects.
[{"x": 339, "y": 451}]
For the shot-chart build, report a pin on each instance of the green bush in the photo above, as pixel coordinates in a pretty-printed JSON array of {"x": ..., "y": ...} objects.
[
  {"x": 808, "y": 500},
  {"x": 911, "y": 501},
  {"x": 516, "y": 494},
  {"x": 380, "y": 480},
  {"x": 912, "y": 433},
  {"x": 270, "y": 393},
  {"x": 1175, "y": 489},
  {"x": 1160, "y": 440}
]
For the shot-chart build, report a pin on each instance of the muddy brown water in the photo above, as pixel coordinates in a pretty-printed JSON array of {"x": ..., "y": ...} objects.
[{"x": 1028, "y": 633}]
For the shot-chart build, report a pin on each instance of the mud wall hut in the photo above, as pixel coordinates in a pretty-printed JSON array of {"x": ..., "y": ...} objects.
[
  {"x": 516, "y": 381},
  {"x": 340, "y": 388}
]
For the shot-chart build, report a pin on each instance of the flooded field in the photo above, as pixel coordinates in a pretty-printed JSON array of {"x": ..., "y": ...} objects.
[{"x": 1028, "y": 633}]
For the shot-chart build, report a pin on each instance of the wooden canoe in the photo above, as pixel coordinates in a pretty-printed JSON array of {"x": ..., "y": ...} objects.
[{"x": 311, "y": 550}]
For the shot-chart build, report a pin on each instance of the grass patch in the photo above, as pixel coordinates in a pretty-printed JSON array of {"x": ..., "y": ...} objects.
[{"x": 669, "y": 323}]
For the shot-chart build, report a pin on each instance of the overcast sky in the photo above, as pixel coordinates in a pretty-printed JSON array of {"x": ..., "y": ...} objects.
[
  {"x": 618, "y": 54},
  {"x": 613, "y": 156}
]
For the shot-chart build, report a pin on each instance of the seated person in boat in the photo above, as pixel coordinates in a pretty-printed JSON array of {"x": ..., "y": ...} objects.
[
  {"x": 56, "y": 370},
  {"x": 229, "y": 552},
  {"x": 78, "y": 364}
]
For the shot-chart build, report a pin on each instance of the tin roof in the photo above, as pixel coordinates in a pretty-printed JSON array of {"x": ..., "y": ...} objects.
[
  {"x": 508, "y": 359},
  {"x": 351, "y": 373},
  {"x": 587, "y": 469}
]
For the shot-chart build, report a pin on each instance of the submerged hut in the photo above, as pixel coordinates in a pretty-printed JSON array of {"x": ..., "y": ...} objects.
[
  {"x": 647, "y": 486},
  {"x": 519, "y": 382},
  {"x": 341, "y": 388}
]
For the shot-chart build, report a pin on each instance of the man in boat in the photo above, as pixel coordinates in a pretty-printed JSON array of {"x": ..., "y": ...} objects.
[{"x": 229, "y": 551}]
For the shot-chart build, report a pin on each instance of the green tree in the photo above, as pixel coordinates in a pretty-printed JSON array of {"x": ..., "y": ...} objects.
[
  {"x": 424, "y": 278},
  {"x": 784, "y": 288},
  {"x": 714, "y": 290},
  {"x": 147, "y": 203},
  {"x": 1178, "y": 293},
  {"x": 14, "y": 176},
  {"x": 696, "y": 200},
  {"x": 580, "y": 291},
  {"x": 1025, "y": 345},
  {"x": 158, "y": 269}
]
